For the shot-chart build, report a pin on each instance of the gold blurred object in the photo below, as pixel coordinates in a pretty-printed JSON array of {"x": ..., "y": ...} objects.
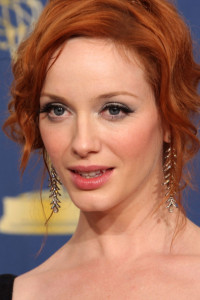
[
  {"x": 24, "y": 214},
  {"x": 17, "y": 18}
]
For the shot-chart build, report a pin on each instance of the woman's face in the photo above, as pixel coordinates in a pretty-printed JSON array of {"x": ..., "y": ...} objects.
[{"x": 100, "y": 126}]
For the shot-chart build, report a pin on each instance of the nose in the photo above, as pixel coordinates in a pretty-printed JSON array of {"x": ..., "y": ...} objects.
[{"x": 85, "y": 139}]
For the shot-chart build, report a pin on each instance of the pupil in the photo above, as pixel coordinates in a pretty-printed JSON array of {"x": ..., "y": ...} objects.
[
  {"x": 58, "y": 111},
  {"x": 114, "y": 110}
]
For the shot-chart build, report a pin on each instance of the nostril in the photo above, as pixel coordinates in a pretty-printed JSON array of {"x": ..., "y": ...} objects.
[{"x": 84, "y": 147}]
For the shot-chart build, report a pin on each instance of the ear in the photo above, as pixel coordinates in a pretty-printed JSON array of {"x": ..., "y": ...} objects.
[{"x": 166, "y": 133}]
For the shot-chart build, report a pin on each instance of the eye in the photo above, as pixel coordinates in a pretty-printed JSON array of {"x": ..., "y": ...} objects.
[
  {"x": 54, "y": 110},
  {"x": 115, "y": 111},
  {"x": 58, "y": 110}
]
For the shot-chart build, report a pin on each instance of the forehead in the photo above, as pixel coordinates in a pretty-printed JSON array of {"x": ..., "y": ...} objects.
[
  {"x": 86, "y": 50},
  {"x": 84, "y": 63}
]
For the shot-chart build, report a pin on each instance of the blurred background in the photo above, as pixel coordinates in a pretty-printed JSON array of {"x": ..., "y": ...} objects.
[{"x": 22, "y": 230}]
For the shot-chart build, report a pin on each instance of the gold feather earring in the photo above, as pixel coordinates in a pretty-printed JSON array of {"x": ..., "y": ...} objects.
[
  {"x": 168, "y": 170},
  {"x": 54, "y": 190}
]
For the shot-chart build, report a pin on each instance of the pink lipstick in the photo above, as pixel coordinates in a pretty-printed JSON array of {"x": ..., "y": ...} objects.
[{"x": 90, "y": 177}]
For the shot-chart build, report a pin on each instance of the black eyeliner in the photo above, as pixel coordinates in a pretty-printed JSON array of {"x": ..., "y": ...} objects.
[
  {"x": 121, "y": 106},
  {"x": 46, "y": 108}
]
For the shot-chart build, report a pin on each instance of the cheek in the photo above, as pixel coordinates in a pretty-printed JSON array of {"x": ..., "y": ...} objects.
[
  {"x": 140, "y": 140},
  {"x": 53, "y": 140}
]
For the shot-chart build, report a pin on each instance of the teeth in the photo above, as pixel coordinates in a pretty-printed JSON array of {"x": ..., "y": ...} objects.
[{"x": 91, "y": 174}]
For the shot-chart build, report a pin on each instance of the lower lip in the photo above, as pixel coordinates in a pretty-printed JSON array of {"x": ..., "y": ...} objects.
[{"x": 91, "y": 183}]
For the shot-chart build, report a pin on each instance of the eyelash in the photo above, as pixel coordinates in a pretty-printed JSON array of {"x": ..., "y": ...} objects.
[
  {"x": 47, "y": 108},
  {"x": 125, "y": 110},
  {"x": 121, "y": 107}
]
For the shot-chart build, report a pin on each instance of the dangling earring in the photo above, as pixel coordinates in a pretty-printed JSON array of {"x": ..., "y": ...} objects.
[
  {"x": 168, "y": 169},
  {"x": 54, "y": 190}
]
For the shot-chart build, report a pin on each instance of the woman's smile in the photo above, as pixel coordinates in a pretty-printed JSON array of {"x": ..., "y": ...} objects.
[{"x": 90, "y": 177}]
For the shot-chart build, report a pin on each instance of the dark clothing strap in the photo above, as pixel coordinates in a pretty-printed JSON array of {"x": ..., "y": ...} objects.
[{"x": 6, "y": 286}]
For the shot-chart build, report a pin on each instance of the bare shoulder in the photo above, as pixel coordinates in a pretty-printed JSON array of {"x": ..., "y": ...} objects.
[
  {"x": 24, "y": 287},
  {"x": 27, "y": 285},
  {"x": 190, "y": 240},
  {"x": 40, "y": 281},
  {"x": 185, "y": 261},
  {"x": 35, "y": 284}
]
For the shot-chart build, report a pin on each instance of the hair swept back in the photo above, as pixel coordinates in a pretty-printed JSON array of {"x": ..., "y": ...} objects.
[{"x": 151, "y": 28}]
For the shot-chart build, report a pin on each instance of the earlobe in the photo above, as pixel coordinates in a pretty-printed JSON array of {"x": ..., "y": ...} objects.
[
  {"x": 167, "y": 137},
  {"x": 166, "y": 134}
]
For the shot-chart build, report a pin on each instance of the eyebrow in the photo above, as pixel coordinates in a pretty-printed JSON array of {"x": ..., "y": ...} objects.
[
  {"x": 53, "y": 97},
  {"x": 113, "y": 94},
  {"x": 103, "y": 96}
]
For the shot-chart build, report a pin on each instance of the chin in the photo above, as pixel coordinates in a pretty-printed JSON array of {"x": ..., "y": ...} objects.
[{"x": 92, "y": 203}]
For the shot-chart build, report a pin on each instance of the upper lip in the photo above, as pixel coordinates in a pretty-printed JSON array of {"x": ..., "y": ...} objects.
[{"x": 91, "y": 168}]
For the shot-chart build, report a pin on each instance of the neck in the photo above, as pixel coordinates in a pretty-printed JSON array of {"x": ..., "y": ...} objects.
[{"x": 126, "y": 230}]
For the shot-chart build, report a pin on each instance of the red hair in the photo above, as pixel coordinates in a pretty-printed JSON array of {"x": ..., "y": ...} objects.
[{"x": 151, "y": 28}]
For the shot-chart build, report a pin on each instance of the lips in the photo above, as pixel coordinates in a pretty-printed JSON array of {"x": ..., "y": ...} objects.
[
  {"x": 90, "y": 177},
  {"x": 92, "y": 174}
]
